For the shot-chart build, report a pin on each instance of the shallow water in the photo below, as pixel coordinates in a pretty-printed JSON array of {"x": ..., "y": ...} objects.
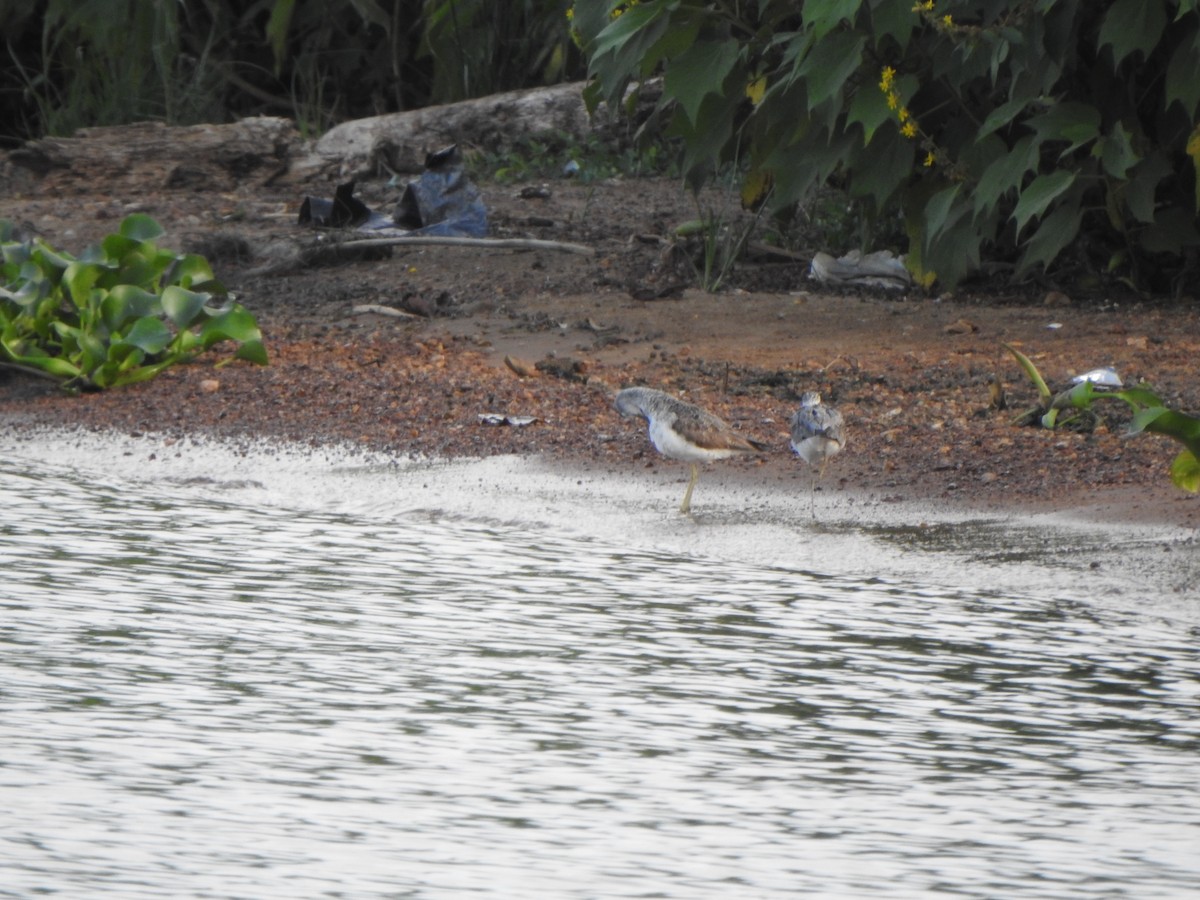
[{"x": 202, "y": 697}]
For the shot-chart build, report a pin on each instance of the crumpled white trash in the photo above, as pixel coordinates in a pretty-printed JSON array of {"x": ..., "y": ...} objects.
[{"x": 879, "y": 269}]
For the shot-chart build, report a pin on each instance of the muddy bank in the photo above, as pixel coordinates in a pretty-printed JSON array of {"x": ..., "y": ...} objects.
[{"x": 912, "y": 373}]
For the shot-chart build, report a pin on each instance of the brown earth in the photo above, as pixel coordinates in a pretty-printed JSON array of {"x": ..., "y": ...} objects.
[{"x": 911, "y": 373}]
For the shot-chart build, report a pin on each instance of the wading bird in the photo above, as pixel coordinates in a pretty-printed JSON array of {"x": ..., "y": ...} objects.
[
  {"x": 682, "y": 431},
  {"x": 818, "y": 433}
]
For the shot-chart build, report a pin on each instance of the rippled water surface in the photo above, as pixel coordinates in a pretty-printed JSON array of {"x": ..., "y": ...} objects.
[{"x": 199, "y": 699}]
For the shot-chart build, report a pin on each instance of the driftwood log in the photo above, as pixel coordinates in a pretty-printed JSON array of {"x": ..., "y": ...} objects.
[
  {"x": 398, "y": 142},
  {"x": 262, "y": 150},
  {"x": 156, "y": 156}
]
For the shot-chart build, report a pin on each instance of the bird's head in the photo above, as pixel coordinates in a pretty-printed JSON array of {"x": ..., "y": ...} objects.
[{"x": 629, "y": 402}]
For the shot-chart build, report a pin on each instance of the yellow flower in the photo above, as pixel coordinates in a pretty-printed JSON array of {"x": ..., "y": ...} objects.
[
  {"x": 909, "y": 130},
  {"x": 948, "y": 20},
  {"x": 893, "y": 99},
  {"x": 888, "y": 76},
  {"x": 571, "y": 14},
  {"x": 903, "y": 114},
  {"x": 930, "y": 159}
]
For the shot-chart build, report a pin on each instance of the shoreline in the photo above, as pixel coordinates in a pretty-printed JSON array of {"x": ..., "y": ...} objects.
[{"x": 738, "y": 516}]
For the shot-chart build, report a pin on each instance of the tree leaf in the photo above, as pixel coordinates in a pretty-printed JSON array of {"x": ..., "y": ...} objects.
[
  {"x": 1001, "y": 116},
  {"x": 822, "y": 16},
  {"x": 1040, "y": 193},
  {"x": 1116, "y": 152},
  {"x": 1075, "y": 123},
  {"x": 938, "y": 208},
  {"x": 829, "y": 64},
  {"x": 1053, "y": 235},
  {"x": 1005, "y": 173},
  {"x": 1182, "y": 84},
  {"x": 699, "y": 71},
  {"x": 1174, "y": 228},
  {"x": 1132, "y": 25},
  {"x": 1139, "y": 191}
]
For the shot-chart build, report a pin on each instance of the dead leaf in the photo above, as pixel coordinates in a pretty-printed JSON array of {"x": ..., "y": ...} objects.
[
  {"x": 522, "y": 367},
  {"x": 962, "y": 326}
]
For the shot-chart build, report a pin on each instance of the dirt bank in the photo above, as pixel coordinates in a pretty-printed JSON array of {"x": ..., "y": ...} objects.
[{"x": 911, "y": 373}]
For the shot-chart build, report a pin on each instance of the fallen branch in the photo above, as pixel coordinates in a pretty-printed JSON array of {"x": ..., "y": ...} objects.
[
  {"x": 383, "y": 311},
  {"x": 486, "y": 243}
]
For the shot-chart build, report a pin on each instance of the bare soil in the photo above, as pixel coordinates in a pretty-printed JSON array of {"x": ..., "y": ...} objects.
[{"x": 912, "y": 373}]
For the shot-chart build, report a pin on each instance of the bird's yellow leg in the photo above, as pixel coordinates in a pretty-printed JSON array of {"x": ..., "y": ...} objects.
[{"x": 686, "y": 505}]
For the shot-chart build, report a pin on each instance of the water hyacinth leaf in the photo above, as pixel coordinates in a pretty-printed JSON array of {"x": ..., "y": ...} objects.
[
  {"x": 1185, "y": 472},
  {"x": 50, "y": 263},
  {"x": 1139, "y": 397},
  {"x": 79, "y": 279},
  {"x": 191, "y": 271},
  {"x": 141, "y": 227},
  {"x": 117, "y": 246},
  {"x": 1176, "y": 425},
  {"x": 125, "y": 302},
  {"x": 234, "y": 324},
  {"x": 1031, "y": 371},
  {"x": 149, "y": 334},
  {"x": 252, "y": 351},
  {"x": 183, "y": 306}
]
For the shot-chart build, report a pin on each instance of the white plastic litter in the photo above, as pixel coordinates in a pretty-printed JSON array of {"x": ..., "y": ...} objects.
[{"x": 879, "y": 269}]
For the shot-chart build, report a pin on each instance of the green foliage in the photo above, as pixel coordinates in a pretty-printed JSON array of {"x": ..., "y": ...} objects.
[
  {"x": 72, "y": 63},
  {"x": 97, "y": 62},
  {"x": 1004, "y": 127},
  {"x": 120, "y": 313},
  {"x": 1150, "y": 414}
]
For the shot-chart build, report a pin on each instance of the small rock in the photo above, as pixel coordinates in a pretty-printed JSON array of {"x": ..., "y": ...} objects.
[
  {"x": 1056, "y": 298},
  {"x": 210, "y": 385},
  {"x": 1138, "y": 343}
]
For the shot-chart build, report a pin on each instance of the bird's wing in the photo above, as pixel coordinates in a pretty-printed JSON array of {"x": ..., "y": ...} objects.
[{"x": 705, "y": 430}]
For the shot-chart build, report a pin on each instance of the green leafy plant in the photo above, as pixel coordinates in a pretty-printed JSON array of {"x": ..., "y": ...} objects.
[
  {"x": 1150, "y": 414},
  {"x": 723, "y": 236},
  {"x": 1002, "y": 127},
  {"x": 119, "y": 313}
]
